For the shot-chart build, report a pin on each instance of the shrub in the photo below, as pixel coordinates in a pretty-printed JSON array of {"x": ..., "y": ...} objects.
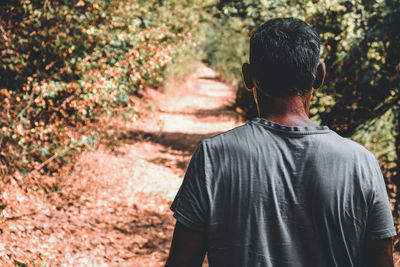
[{"x": 64, "y": 62}]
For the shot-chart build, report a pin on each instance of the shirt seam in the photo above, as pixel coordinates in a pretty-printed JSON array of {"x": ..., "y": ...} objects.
[
  {"x": 382, "y": 234},
  {"x": 377, "y": 232},
  {"x": 186, "y": 221},
  {"x": 325, "y": 131}
]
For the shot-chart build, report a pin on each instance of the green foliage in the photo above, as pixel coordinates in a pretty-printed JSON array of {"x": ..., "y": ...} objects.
[
  {"x": 64, "y": 62},
  {"x": 225, "y": 48},
  {"x": 359, "y": 50}
]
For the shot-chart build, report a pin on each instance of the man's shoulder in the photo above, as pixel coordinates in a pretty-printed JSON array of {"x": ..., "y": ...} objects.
[
  {"x": 231, "y": 136},
  {"x": 346, "y": 146}
]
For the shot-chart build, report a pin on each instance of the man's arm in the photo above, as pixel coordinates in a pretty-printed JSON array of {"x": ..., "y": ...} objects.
[
  {"x": 188, "y": 248},
  {"x": 378, "y": 253}
]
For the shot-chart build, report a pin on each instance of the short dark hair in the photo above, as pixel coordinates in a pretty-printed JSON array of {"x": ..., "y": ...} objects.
[{"x": 284, "y": 54}]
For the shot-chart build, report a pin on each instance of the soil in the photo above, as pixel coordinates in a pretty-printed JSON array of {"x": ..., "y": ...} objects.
[{"x": 112, "y": 209}]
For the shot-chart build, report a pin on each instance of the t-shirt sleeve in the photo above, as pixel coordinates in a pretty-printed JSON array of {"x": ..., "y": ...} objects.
[
  {"x": 190, "y": 205},
  {"x": 380, "y": 220}
]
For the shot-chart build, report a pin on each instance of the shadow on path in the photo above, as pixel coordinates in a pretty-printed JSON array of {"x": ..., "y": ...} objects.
[
  {"x": 184, "y": 142},
  {"x": 218, "y": 113}
]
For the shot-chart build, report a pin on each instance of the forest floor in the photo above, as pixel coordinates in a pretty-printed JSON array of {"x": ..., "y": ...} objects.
[{"x": 113, "y": 208}]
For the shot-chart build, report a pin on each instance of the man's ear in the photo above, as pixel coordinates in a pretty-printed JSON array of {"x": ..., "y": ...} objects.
[
  {"x": 319, "y": 76},
  {"x": 247, "y": 76}
]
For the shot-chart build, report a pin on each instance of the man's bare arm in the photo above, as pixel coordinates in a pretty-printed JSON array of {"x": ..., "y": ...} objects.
[
  {"x": 188, "y": 248},
  {"x": 378, "y": 253}
]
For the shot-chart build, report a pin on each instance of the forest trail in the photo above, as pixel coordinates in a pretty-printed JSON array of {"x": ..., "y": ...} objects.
[{"x": 113, "y": 209}]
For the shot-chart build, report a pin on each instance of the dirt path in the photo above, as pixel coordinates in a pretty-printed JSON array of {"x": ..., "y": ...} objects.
[{"x": 113, "y": 210}]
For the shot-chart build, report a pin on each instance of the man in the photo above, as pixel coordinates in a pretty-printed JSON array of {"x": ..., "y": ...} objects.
[{"x": 281, "y": 191}]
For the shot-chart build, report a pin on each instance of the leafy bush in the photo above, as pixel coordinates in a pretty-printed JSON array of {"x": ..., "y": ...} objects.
[{"x": 64, "y": 62}]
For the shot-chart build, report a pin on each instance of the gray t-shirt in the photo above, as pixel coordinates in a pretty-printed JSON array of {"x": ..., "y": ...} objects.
[{"x": 267, "y": 194}]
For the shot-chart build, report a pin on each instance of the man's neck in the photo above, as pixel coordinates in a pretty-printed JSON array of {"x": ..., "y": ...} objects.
[{"x": 291, "y": 111}]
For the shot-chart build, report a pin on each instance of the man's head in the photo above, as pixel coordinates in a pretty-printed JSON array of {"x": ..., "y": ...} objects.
[{"x": 284, "y": 59}]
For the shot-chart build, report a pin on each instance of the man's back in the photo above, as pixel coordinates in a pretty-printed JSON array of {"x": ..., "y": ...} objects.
[
  {"x": 265, "y": 194},
  {"x": 272, "y": 195}
]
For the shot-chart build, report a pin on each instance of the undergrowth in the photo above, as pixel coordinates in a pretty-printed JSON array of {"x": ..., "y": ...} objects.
[{"x": 65, "y": 62}]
